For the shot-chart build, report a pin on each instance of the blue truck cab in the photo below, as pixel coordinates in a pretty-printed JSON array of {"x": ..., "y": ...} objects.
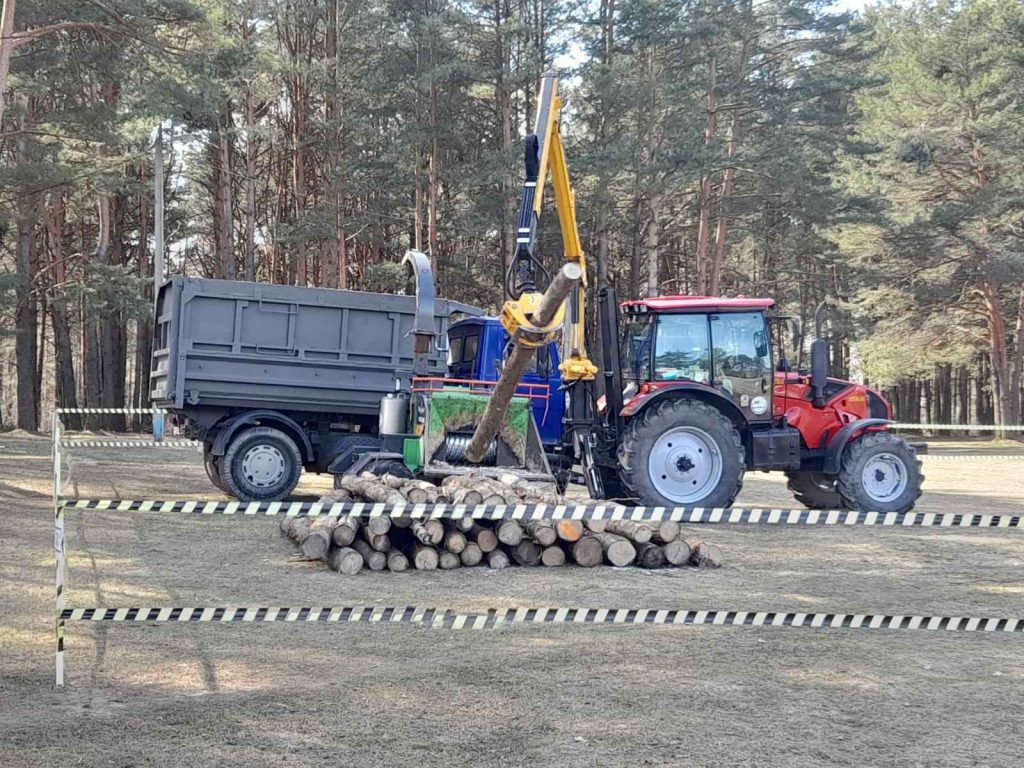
[{"x": 476, "y": 350}]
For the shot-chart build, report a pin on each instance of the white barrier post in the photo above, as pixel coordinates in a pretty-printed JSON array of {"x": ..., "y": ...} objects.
[{"x": 59, "y": 552}]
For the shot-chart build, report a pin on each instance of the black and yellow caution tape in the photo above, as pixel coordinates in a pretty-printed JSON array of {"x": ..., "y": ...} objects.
[
  {"x": 529, "y": 512},
  {"x": 492, "y": 618},
  {"x": 189, "y": 445}
]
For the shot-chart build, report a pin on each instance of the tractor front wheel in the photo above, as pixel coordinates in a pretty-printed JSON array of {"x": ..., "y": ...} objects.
[
  {"x": 682, "y": 453},
  {"x": 880, "y": 473},
  {"x": 814, "y": 490}
]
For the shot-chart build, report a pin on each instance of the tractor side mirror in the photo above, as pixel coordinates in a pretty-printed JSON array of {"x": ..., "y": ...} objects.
[{"x": 819, "y": 371}]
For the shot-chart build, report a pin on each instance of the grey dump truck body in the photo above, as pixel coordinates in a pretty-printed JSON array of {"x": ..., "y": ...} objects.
[{"x": 230, "y": 353}]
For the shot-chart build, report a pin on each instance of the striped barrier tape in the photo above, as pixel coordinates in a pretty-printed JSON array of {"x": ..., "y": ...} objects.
[
  {"x": 137, "y": 411},
  {"x": 530, "y": 512},
  {"x": 961, "y": 427},
  {"x": 493, "y": 618},
  {"x": 176, "y": 444}
]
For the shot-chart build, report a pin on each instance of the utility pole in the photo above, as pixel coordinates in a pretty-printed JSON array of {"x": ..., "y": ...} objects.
[{"x": 158, "y": 214}]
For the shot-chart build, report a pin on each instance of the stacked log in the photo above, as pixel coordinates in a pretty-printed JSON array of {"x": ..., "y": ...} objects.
[{"x": 350, "y": 543}]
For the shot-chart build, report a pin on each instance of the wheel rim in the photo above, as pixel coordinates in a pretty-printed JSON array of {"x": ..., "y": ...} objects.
[
  {"x": 884, "y": 477},
  {"x": 263, "y": 466},
  {"x": 685, "y": 464}
]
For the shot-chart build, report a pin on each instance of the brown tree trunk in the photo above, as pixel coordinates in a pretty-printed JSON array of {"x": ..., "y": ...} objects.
[
  {"x": 65, "y": 386},
  {"x": 706, "y": 190},
  {"x": 25, "y": 347}
]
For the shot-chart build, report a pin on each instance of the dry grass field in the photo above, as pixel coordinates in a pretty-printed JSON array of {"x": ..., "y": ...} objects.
[{"x": 369, "y": 695}]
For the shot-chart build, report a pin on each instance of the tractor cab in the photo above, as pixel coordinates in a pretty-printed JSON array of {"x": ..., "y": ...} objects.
[{"x": 721, "y": 344}]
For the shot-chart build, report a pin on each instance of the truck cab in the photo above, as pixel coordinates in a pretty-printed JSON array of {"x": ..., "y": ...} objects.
[{"x": 476, "y": 348}]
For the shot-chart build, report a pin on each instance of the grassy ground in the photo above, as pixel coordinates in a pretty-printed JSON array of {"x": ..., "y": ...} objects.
[{"x": 367, "y": 695}]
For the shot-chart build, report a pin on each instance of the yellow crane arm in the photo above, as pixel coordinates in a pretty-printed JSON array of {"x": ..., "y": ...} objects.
[{"x": 544, "y": 152}]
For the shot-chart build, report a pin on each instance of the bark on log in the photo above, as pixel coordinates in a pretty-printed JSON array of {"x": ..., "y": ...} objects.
[
  {"x": 381, "y": 542},
  {"x": 397, "y": 562},
  {"x": 344, "y": 560},
  {"x": 371, "y": 488},
  {"x": 467, "y": 496},
  {"x": 497, "y": 405},
  {"x": 527, "y": 552},
  {"x": 485, "y": 538},
  {"x": 298, "y": 528},
  {"x": 569, "y": 530},
  {"x": 509, "y": 532},
  {"x": 665, "y": 531},
  {"x": 345, "y": 531},
  {"x": 706, "y": 555},
  {"x": 587, "y": 552},
  {"x": 617, "y": 550},
  {"x": 375, "y": 561},
  {"x": 649, "y": 555},
  {"x": 628, "y": 529},
  {"x": 318, "y": 541},
  {"x": 472, "y": 554},
  {"x": 543, "y": 532},
  {"x": 530, "y": 491},
  {"x": 425, "y": 558},
  {"x": 497, "y": 559},
  {"x": 428, "y": 531},
  {"x": 553, "y": 556},
  {"x": 448, "y": 561},
  {"x": 492, "y": 499},
  {"x": 677, "y": 552},
  {"x": 336, "y": 496},
  {"x": 455, "y": 541}
]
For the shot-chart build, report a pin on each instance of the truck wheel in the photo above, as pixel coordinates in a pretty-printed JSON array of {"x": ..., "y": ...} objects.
[
  {"x": 682, "y": 453},
  {"x": 212, "y": 465},
  {"x": 261, "y": 464},
  {"x": 814, "y": 490},
  {"x": 880, "y": 473}
]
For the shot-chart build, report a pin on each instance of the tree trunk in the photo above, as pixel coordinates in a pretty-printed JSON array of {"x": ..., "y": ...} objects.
[
  {"x": 653, "y": 244},
  {"x": 25, "y": 319},
  {"x": 65, "y": 385}
]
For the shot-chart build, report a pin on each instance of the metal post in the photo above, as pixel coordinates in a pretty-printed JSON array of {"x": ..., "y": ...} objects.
[{"x": 59, "y": 552}]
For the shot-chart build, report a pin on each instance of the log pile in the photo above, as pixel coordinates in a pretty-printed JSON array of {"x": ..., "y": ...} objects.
[{"x": 351, "y": 544}]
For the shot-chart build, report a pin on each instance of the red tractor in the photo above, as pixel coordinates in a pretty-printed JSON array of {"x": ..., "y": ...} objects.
[{"x": 704, "y": 400}]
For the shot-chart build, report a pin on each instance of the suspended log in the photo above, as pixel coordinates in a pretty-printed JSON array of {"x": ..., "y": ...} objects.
[
  {"x": 617, "y": 550},
  {"x": 649, "y": 555},
  {"x": 497, "y": 404},
  {"x": 375, "y": 561},
  {"x": 509, "y": 532},
  {"x": 587, "y": 552},
  {"x": 628, "y": 529},
  {"x": 553, "y": 556},
  {"x": 318, "y": 540},
  {"x": 677, "y": 552},
  {"x": 498, "y": 559},
  {"x": 471, "y": 554},
  {"x": 543, "y": 532},
  {"x": 448, "y": 561},
  {"x": 527, "y": 552},
  {"x": 345, "y": 531},
  {"x": 484, "y": 538},
  {"x": 397, "y": 561},
  {"x": 345, "y": 560},
  {"x": 455, "y": 541},
  {"x": 424, "y": 558},
  {"x": 705, "y": 555},
  {"x": 569, "y": 530}
]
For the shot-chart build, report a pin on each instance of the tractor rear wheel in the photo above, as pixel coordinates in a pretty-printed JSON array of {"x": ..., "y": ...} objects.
[
  {"x": 880, "y": 473},
  {"x": 814, "y": 490},
  {"x": 682, "y": 453}
]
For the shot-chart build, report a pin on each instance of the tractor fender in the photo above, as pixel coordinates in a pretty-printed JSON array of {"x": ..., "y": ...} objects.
[
  {"x": 713, "y": 397},
  {"x": 262, "y": 418},
  {"x": 842, "y": 438}
]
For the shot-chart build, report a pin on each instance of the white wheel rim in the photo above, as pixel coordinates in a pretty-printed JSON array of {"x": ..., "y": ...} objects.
[
  {"x": 685, "y": 465},
  {"x": 263, "y": 466},
  {"x": 884, "y": 477}
]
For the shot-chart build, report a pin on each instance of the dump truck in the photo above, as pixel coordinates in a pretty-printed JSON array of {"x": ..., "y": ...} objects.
[{"x": 276, "y": 378}]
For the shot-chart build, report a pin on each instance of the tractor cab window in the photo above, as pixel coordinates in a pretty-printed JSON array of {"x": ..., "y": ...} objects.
[
  {"x": 741, "y": 346},
  {"x": 635, "y": 348},
  {"x": 681, "y": 349}
]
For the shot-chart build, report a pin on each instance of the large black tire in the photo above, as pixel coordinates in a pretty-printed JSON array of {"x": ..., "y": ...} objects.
[
  {"x": 702, "y": 467},
  {"x": 814, "y": 490},
  {"x": 261, "y": 464},
  {"x": 211, "y": 464},
  {"x": 880, "y": 473}
]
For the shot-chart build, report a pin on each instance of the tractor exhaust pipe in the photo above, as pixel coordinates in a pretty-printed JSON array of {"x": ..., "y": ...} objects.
[{"x": 517, "y": 361}]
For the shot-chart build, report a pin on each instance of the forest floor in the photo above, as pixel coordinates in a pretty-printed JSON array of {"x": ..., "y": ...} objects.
[{"x": 375, "y": 695}]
